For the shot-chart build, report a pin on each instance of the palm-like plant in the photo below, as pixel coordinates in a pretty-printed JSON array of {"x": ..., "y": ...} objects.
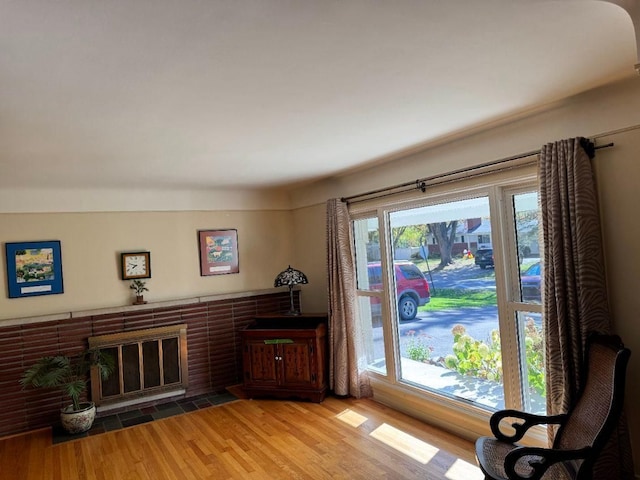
[
  {"x": 139, "y": 287},
  {"x": 69, "y": 374}
]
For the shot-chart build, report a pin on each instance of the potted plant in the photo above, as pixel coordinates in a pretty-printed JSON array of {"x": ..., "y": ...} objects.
[
  {"x": 139, "y": 287},
  {"x": 70, "y": 374}
]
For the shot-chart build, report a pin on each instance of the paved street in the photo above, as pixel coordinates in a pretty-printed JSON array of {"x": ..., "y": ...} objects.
[
  {"x": 434, "y": 328},
  {"x": 464, "y": 275}
]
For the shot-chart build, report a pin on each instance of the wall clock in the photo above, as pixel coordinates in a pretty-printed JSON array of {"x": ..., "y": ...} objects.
[{"x": 135, "y": 265}]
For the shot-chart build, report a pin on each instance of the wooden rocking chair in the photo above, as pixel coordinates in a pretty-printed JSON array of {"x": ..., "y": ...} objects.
[{"x": 582, "y": 432}]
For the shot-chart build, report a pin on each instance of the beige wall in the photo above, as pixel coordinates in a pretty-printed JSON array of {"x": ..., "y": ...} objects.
[
  {"x": 618, "y": 178},
  {"x": 92, "y": 242},
  {"x": 310, "y": 248}
]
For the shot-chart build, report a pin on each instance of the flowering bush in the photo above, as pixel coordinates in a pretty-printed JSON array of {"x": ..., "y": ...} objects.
[
  {"x": 416, "y": 349},
  {"x": 484, "y": 360},
  {"x": 475, "y": 358},
  {"x": 534, "y": 344}
]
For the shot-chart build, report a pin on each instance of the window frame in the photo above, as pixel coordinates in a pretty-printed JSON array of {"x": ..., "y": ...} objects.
[{"x": 498, "y": 187}]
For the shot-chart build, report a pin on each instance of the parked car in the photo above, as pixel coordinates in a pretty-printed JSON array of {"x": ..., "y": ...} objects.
[
  {"x": 484, "y": 257},
  {"x": 412, "y": 289},
  {"x": 530, "y": 284}
]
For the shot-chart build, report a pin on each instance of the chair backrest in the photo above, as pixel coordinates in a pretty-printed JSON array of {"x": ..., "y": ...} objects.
[{"x": 599, "y": 404}]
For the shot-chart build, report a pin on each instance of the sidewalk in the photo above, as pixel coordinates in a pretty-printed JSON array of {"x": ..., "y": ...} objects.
[{"x": 475, "y": 390}]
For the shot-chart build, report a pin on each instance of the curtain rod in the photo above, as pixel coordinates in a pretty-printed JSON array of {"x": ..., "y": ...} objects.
[{"x": 421, "y": 183}]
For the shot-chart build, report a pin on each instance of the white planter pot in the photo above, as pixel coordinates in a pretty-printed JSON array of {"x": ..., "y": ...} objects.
[{"x": 80, "y": 420}]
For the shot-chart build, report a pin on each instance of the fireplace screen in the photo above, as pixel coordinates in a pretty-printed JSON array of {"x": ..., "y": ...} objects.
[{"x": 148, "y": 362}]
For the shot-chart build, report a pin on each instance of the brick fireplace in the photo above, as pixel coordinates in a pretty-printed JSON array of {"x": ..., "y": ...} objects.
[
  {"x": 150, "y": 364},
  {"x": 212, "y": 335}
]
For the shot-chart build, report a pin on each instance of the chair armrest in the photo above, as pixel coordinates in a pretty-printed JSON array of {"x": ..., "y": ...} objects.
[
  {"x": 548, "y": 457},
  {"x": 529, "y": 420}
]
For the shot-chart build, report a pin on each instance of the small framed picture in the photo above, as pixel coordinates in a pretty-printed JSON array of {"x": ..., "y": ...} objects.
[
  {"x": 135, "y": 265},
  {"x": 34, "y": 268},
  {"x": 218, "y": 252}
]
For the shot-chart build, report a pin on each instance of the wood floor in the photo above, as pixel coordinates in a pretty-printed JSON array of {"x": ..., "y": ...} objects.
[{"x": 251, "y": 439}]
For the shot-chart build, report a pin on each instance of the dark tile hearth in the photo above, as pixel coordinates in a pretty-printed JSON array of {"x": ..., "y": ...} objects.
[{"x": 137, "y": 416}]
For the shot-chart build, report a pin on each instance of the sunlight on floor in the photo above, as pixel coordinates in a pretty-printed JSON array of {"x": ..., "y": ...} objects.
[
  {"x": 461, "y": 470},
  {"x": 411, "y": 446},
  {"x": 351, "y": 418},
  {"x": 405, "y": 443}
]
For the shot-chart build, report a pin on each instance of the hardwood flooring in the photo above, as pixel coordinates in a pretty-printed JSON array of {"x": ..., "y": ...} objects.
[{"x": 251, "y": 439}]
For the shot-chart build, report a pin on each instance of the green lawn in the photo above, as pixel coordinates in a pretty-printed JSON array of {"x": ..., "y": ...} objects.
[
  {"x": 459, "y": 298},
  {"x": 442, "y": 299}
]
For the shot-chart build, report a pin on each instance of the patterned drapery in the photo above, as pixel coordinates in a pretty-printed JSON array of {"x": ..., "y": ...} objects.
[
  {"x": 347, "y": 362},
  {"x": 575, "y": 299}
]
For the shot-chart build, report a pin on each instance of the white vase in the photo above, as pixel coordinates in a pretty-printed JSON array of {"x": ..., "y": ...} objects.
[{"x": 80, "y": 420}]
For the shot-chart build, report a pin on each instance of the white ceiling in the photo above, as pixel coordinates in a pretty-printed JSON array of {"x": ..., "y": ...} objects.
[{"x": 262, "y": 93}]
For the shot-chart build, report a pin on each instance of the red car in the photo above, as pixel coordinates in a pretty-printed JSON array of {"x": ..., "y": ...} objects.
[{"x": 412, "y": 289}]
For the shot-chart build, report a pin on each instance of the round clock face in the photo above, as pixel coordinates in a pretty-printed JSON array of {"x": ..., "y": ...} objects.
[{"x": 136, "y": 265}]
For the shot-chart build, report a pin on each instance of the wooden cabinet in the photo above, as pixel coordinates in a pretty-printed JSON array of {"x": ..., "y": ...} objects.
[{"x": 285, "y": 356}]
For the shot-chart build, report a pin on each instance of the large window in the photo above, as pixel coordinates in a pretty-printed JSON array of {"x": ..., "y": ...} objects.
[{"x": 451, "y": 289}]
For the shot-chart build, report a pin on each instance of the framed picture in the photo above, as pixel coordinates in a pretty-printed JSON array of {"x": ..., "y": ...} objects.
[
  {"x": 218, "y": 252},
  {"x": 34, "y": 268},
  {"x": 135, "y": 265}
]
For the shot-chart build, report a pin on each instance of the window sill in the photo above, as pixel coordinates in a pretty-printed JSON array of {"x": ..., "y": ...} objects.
[{"x": 465, "y": 421}]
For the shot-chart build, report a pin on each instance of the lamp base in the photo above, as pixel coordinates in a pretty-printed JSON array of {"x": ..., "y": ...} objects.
[{"x": 292, "y": 309}]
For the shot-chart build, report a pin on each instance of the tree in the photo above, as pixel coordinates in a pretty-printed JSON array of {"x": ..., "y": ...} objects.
[
  {"x": 396, "y": 234},
  {"x": 408, "y": 236},
  {"x": 527, "y": 229},
  {"x": 445, "y": 235}
]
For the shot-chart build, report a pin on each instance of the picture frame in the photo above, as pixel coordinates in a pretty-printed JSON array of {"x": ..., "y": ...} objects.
[
  {"x": 135, "y": 265},
  {"x": 34, "y": 268},
  {"x": 218, "y": 252}
]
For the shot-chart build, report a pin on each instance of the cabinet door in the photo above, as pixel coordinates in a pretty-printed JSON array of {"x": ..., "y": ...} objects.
[
  {"x": 297, "y": 361},
  {"x": 260, "y": 362}
]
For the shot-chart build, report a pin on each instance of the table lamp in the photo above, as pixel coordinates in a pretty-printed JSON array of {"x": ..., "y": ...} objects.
[{"x": 289, "y": 278}]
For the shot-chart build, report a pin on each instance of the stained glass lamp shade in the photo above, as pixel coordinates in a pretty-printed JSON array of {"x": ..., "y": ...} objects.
[{"x": 289, "y": 278}]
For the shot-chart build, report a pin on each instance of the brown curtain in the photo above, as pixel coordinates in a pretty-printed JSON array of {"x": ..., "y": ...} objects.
[
  {"x": 347, "y": 362},
  {"x": 575, "y": 299}
]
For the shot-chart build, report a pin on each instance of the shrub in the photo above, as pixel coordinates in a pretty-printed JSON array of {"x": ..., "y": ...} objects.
[
  {"x": 534, "y": 344},
  {"x": 484, "y": 360},
  {"x": 475, "y": 358},
  {"x": 416, "y": 349}
]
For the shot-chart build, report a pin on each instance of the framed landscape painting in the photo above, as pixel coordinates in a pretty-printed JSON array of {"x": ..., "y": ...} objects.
[
  {"x": 218, "y": 252},
  {"x": 34, "y": 268}
]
